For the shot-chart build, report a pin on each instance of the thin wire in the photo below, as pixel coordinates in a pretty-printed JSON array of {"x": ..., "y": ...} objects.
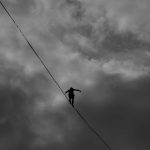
[{"x": 42, "y": 62}]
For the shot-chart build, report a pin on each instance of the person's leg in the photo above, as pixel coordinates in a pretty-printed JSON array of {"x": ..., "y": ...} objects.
[
  {"x": 73, "y": 101},
  {"x": 69, "y": 99}
]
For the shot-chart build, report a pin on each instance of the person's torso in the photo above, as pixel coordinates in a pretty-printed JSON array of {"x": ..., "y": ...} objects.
[{"x": 71, "y": 92}]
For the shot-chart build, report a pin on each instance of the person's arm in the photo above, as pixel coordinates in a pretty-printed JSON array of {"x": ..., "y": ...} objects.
[
  {"x": 67, "y": 91},
  {"x": 77, "y": 90}
]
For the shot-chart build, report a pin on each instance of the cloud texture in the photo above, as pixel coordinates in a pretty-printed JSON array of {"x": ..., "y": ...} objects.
[{"x": 99, "y": 46}]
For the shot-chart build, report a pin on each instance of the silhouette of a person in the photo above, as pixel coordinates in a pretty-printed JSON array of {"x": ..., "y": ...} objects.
[{"x": 71, "y": 95}]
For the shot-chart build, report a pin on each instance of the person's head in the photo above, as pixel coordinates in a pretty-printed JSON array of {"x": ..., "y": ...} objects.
[{"x": 71, "y": 87}]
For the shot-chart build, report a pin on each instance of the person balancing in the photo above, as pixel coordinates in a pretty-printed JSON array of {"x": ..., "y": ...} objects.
[{"x": 71, "y": 95}]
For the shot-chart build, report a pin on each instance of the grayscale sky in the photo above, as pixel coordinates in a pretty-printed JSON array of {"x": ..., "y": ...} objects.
[{"x": 101, "y": 47}]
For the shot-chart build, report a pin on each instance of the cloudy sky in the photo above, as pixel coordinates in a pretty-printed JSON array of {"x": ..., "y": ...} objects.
[{"x": 99, "y": 46}]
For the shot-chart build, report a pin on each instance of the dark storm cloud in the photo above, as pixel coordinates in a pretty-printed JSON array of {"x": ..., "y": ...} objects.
[
  {"x": 79, "y": 41},
  {"x": 122, "y": 117},
  {"x": 123, "y": 114},
  {"x": 18, "y": 94},
  {"x": 28, "y": 119}
]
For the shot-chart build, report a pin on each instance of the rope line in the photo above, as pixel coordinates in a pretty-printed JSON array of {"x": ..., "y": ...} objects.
[{"x": 50, "y": 74}]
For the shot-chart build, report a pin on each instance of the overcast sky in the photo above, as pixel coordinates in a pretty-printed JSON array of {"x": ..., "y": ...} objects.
[{"x": 101, "y": 47}]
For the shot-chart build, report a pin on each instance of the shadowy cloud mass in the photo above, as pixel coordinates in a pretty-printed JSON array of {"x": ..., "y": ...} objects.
[{"x": 98, "y": 46}]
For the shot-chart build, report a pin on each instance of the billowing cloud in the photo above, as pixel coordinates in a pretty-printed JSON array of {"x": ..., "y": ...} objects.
[
  {"x": 28, "y": 117},
  {"x": 101, "y": 47}
]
